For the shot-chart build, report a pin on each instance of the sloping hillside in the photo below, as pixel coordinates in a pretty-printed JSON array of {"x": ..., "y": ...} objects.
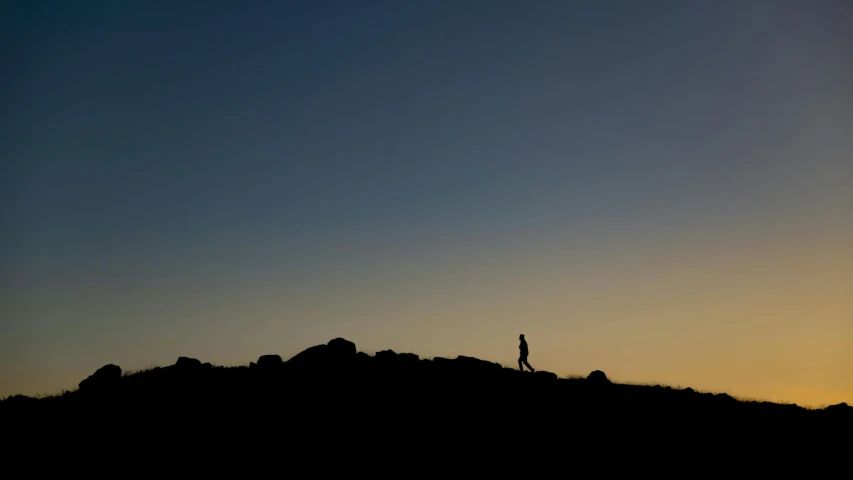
[{"x": 335, "y": 377}]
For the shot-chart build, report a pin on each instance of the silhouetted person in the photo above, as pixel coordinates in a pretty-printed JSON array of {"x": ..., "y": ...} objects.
[{"x": 523, "y": 357}]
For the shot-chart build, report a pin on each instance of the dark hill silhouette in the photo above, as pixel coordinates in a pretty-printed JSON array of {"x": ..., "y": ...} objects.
[
  {"x": 338, "y": 364},
  {"x": 331, "y": 392}
]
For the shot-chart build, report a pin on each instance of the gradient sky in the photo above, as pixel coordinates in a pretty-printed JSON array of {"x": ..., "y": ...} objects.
[{"x": 660, "y": 190}]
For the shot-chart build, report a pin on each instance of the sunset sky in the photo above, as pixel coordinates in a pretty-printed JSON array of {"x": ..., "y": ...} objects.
[{"x": 659, "y": 190}]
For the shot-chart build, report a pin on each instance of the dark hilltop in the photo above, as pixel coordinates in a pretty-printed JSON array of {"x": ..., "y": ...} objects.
[
  {"x": 334, "y": 402},
  {"x": 337, "y": 375}
]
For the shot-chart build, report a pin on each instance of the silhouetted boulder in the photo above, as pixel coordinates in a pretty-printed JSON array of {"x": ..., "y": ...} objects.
[
  {"x": 840, "y": 408},
  {"x": 598, "y": 377},
  {"x": 407, "y": 359},
  {"x": 269, "y": 361},
  {"x": 689, "y": 390},
  {"x": 543, "y": 375},
  {"x": 442, "y": 362},
  {"x": 206, "y": 365},
  {"x": 342, "y": 347},
  {"x": 186, "y": 362},
  {"x": 311, "y": 356},
  {"x": 778, "y": 407},
  {"x": 363, "y": 359},
  {"x": 104, "y": 377},
  {"x": 337, "y": 353},
  {"x": 389, "y": 358},
  {"x": 470, "y": 362},
  {"x": 386, "y": 356}
]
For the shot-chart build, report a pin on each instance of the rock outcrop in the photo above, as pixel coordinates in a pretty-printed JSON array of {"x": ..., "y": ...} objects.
[
  {"x": 269, "y": 361},
  {"x": 471, "y": 362},
  {"x": 104, "y": 377},
  {"x": 541, "y": 374},
  {"x": 341, "y": 347},
  {"x": 389, "y": 358},
  {"x": 841, "y": 408},
  {"x": 598, "y": 377},
  {"x": 335, "y": 354},
  {"x": 187, "y": 363}
]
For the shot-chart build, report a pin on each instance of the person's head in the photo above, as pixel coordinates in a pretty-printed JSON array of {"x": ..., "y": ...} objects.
[{"x": 521, "y": 337}]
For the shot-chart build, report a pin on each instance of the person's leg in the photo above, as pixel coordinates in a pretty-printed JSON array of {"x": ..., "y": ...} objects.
[
  {"x": 523, "y": 359},
  {"x": 528, "y": 365}
]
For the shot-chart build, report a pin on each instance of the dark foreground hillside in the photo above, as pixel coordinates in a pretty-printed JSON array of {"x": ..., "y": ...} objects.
[
  {"x": 332, "y": 393},
  {"x": 336, "y": 376}
]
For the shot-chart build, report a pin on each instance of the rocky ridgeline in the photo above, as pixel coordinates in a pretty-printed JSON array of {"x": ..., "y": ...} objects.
[
  {"x": 338, "y": 355},
  {"x": 326, "y": 373}
]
